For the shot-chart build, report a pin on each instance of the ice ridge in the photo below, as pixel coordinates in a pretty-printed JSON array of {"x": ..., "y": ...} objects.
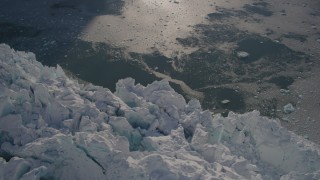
[{"x": 52, "y": 127}]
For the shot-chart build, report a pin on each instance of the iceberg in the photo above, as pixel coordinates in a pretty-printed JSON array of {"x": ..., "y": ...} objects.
[{"x": 52, "y": 127}]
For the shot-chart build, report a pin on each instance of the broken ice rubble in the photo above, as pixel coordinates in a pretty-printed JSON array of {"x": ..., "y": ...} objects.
[{"x": 51, "y": 127}]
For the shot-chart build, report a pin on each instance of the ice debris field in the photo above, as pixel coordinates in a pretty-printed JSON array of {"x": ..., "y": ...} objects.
[{"x": 52, "y": 127}]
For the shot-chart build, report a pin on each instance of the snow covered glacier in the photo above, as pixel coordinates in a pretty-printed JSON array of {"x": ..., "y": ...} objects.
[{"x": 52, "y": 127}]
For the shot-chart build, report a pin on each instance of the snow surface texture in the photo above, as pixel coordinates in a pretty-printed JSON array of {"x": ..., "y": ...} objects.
[{"x": 51, "y": 127}]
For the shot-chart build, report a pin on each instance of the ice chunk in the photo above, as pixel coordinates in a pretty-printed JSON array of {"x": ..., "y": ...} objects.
[
  {"x": 226, "y": 101},
  {"x": 6, "y": 107},
  {"x": 242, "y": 54},
  {"x": 288, "y": 108},
  {"x": 123, "y": 128},
  {"x": 193, "y": 105},
  {"x": 86, "y": 125},
  {"x": 14, "y": 169},
  {"x": 36, "y": 173}
]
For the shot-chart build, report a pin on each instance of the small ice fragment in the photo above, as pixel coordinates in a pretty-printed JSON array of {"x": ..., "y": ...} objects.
[
  {"x": 242, "y": 54},
  {"x": 288, "y": 108},
  {"x": 284, "y": 91},
  {"x": 226, "y": 101}
]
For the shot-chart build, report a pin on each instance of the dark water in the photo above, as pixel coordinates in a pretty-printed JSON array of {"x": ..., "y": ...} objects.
[
  {"x": 103, "y": 65},
  {"x": 215, "y": 96},
  {"x": 50, "y": 29},
  {"x": 260, "y": 47},
  {"x": 260, "y": 8},
  {"x": 10, "y": 31},
  {"x": 113, "y": 7},
  {"x": 282, "y": 82},
  {"x": 155, "y": 61}
]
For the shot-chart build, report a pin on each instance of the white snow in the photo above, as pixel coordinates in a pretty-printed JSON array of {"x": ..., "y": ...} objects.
[{"x": 53, "y": 127}]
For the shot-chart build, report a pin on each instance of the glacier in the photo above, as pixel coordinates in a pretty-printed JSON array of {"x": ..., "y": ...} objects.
[{"x": 52, "y": 127}]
